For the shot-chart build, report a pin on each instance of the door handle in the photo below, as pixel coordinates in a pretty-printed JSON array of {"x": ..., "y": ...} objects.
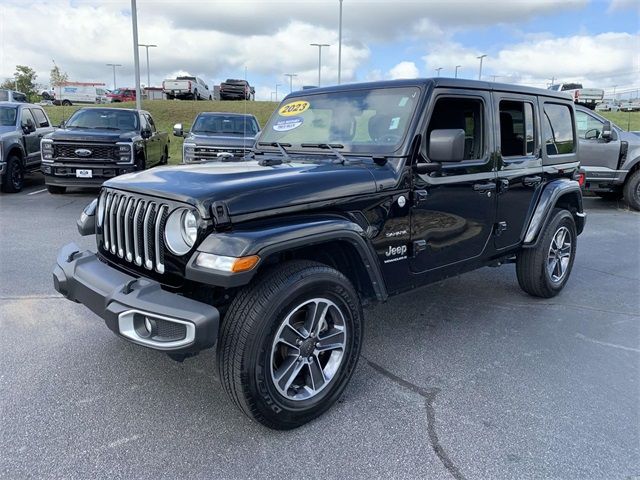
[
  {"x": 532, "y": 181},
  {"x": 484, "y": 187}
]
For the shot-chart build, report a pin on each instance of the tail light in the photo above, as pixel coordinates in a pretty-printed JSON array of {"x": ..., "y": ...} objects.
[
  {"x": 580, "y": 178},
  {"x": 575, "y": 95},
  {"x": 189, "y": 84}
]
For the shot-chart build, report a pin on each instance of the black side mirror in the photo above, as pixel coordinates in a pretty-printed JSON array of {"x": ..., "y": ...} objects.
[
  {"x": 446, "y": 145},
  {"x": 146, "y": 133},
  {"x": 28, "y": 127},
  {"x": 607, "y": 134},
  {"x": 178, "y": 130}
]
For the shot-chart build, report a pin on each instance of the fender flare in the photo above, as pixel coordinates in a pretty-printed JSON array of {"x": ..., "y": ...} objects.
[
  {"x": 287, "y": 234},
  {"x": 549, "y": 197},
  {"x": 13, "y": 146}
]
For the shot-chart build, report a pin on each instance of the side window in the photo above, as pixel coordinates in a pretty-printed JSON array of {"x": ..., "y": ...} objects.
[
  {"x": 588, "y": 127},
  {"x": 19, "y": 97},
  {"x": 41, "y": 118},
  {"x": 26, "y": 117},
  {"x": 558, "y": 129},
  {"x": 144, "y": 124},
  {"x": 150, "y": 122},
  {"x": 516, "y": 128},
  {"x": 461, "y": 113}
]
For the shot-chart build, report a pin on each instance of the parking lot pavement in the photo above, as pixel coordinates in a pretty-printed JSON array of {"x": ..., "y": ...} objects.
[{"x": 467, "y": 378}]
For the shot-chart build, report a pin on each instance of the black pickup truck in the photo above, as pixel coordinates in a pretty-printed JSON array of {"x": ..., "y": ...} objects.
[
  {"x": 354, "y": 193},
  {"x": 234, "y": 89},
  {"x": 96, "y": 144}
]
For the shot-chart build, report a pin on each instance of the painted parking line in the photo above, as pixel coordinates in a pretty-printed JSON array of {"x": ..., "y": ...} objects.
[{"x": 37, "y": 191}]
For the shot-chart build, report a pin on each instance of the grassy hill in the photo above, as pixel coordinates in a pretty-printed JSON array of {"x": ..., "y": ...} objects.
[{"x": 167, "y": 113}]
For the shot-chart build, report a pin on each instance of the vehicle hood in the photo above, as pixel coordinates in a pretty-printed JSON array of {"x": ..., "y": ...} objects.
[
  {"x": 5, "y": 130},
  {"x": 79, "y": 135},
  {"x": 221, "y": 140},
  {"x": 247, "y": 187}
]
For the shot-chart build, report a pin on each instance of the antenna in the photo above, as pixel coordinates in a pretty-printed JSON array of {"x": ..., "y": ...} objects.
[{"x": 244, "y": 120}]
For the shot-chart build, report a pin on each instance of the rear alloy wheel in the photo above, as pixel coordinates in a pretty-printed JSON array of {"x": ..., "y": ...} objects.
[
  {"x": 543, "y": 270},
  {"x": 289, "y": 343},
  {"x": 13, "y": 179},
  {"x": 632, "y": 190}
]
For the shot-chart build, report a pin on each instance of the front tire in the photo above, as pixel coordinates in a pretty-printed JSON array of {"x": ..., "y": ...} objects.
[
  {"x": 13, "y": 180},
  {"x": 632, "y": 190},
  {"x": 289, "y": 343},
  {"x": 544, "y": 269}
]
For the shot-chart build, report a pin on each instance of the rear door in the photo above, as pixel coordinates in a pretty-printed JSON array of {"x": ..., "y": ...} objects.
[
  {"x": 519, "y": 164},
  {"x": 454, "y": 209},
  {"x": 154, "y": 143}
]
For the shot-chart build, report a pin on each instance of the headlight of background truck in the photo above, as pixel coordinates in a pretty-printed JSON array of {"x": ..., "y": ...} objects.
[
  {"x": 46, "y": 147},
  {"x": 188, "y": 152},
  {"x": 124, "y": 153}
]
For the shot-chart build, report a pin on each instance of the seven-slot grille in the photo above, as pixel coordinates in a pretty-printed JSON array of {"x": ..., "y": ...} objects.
[
  {"x": 98, "y": 152},
  {"x": 133, "y": 229}
]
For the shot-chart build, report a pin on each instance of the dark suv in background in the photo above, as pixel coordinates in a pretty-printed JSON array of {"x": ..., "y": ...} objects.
[
  {"x": 353, "y": 193},
  {"x": 22, "y": 125}
]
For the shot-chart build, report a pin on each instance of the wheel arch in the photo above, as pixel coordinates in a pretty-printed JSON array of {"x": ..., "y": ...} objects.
[
  {"x": 332, "y": 240},
  {"x": 561, "y": 193}
]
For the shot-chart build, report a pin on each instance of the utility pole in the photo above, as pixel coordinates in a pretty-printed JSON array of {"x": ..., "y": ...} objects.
[
  {"x": 147, "y": 46},
  {"x": 457, "y": 67},
  {"x": 136, "y": 56},
  {"x": 481, "y": 57},
  {"x": 438, "y": 70},
  {"x": 614, "y": 92},
  {"x": 319, "y": 45},
  {"x": 339, "y": 47},
  {"x": 290, "y": 75},
  {"x": 114, "y": 65}
]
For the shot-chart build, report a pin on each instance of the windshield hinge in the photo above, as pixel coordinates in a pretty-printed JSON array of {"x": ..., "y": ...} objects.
[{"x": 220, "y": 214}]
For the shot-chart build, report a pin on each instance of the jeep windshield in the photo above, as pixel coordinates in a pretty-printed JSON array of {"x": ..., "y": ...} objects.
[
  {"x": 104, "y": 119},
  {"x": 214, "y": 124},
  {"x": 372, "y": 122},
  {"x": 8, "y": 116}
]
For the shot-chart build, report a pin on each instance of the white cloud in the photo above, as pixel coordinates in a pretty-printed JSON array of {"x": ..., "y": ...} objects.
[{"x": 404, "y": 70}]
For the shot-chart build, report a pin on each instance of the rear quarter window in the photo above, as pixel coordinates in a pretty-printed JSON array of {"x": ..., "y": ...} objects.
[{"x": 558, "y": 132}]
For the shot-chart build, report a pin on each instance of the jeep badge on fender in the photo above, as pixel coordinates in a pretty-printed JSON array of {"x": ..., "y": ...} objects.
[{"x": 271, "y": 258}]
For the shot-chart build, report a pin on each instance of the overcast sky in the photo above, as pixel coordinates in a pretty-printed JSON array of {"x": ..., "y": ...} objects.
[{"x": 596, "y": 42}]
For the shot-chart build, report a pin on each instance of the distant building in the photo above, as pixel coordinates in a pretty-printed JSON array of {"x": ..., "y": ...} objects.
[{"x": 153, "y": 93}]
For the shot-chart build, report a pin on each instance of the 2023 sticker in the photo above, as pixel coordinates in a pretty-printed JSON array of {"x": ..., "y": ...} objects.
[{"x": 294, "y": 108}]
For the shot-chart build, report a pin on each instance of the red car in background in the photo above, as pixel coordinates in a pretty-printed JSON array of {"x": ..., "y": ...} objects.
[{"x": 122, "y": 95}]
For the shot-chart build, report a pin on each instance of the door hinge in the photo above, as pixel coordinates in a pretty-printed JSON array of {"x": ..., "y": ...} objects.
[
  {"x": 499, "y": 227},
  {"x": 419, "y": 196},
  {"x": 419, "y": 246}
]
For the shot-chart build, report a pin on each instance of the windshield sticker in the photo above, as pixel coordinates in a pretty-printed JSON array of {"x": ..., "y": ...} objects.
[
  {"x": 294, "y": 108},
  {"x": 288, "y": 124},
  {"x": 403, "y": 101},
  {"x": 395, "y": 123}
]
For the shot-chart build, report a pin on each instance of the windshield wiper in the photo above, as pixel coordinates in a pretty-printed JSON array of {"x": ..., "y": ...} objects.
[
  {"x": 285, "y": 154},
  {"x": 326, "y": 146}
]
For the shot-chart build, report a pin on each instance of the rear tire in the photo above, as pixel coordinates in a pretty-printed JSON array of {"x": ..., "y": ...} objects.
[
  {"x": 617, "y": 195},
  {"x": 66, "y": 103},
  {"x": 544, "y": 269},
  {"x": 278, "y": 369},
  {"x": 13, "y": 179},
  {"x": 56, "y": 189},
  {"x": 632, "y": 190}
]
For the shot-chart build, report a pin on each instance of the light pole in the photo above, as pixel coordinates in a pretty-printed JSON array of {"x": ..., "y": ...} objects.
[
  {"x": 481, "y": 57},
  {"x": 290, "y": 75},
  {"x": 438, "y": 70},
  {"x": 147, "y": 46},
  {"x": 277, "y": 85},
  {"x": 457, "y": 67},
  {"x": 114, "y": 65},
  {"x": 319, "y": 45},
  {"x": 136, "y": 56},
  {"x": 614, "y": 93},
  {"x": 339, "y": 46}
]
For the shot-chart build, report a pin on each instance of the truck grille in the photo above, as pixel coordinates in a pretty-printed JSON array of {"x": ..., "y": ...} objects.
[
  {"x": 210, "y": 153},
  {"x": 133, "y": 229},
  {"x": 98, "y": 152}
]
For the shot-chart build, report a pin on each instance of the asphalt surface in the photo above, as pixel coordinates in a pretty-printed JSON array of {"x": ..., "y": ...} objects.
[{"x": 467, "y": 378}]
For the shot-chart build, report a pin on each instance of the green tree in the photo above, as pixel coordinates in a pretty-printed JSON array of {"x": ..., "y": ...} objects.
[
  {"x": 58, "y": 77},
  {"x": 24, "y": 80}
]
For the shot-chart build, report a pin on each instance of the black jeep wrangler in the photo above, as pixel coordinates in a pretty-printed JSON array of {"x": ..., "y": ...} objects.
[{"x": 352, "y": 194}]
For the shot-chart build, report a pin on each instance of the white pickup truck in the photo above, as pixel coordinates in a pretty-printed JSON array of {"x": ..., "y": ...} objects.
[
  {"x": 588, "y": 97},
  {"x": 186, "y": 88}
]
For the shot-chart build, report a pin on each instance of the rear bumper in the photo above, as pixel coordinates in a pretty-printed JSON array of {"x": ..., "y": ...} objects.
[{"x": 178, "y": 324}]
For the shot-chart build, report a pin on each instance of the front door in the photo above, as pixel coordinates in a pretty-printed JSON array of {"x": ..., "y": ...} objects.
[
  {"x": 454, "y": 209},
  {"x": 599, "y": 156},
  {"x": 519, "y": 165},
  {"x": 31, "y": 139}
]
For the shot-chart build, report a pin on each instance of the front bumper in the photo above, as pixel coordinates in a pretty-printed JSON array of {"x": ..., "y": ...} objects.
[
  {"x": 178, "y": 324},
  {"x": 64, "y": 174}
]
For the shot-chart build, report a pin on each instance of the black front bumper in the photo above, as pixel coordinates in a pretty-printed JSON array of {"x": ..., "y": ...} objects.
[
  {"x": 181, "y": 325},
  {"x": 64, "y": 174}
]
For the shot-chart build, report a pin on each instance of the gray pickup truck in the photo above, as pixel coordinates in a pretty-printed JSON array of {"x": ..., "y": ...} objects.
[
  {"x": 217, "y": 136},
  {"x": 609, "y": 158},
  {"x": 22, "y": 125}
]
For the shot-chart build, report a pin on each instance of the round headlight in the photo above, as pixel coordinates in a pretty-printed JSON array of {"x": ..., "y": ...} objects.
[{"x": 181, "y": 231}]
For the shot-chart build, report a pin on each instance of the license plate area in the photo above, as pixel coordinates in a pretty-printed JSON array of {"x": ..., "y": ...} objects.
[{"x": 84, "y": 173}]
